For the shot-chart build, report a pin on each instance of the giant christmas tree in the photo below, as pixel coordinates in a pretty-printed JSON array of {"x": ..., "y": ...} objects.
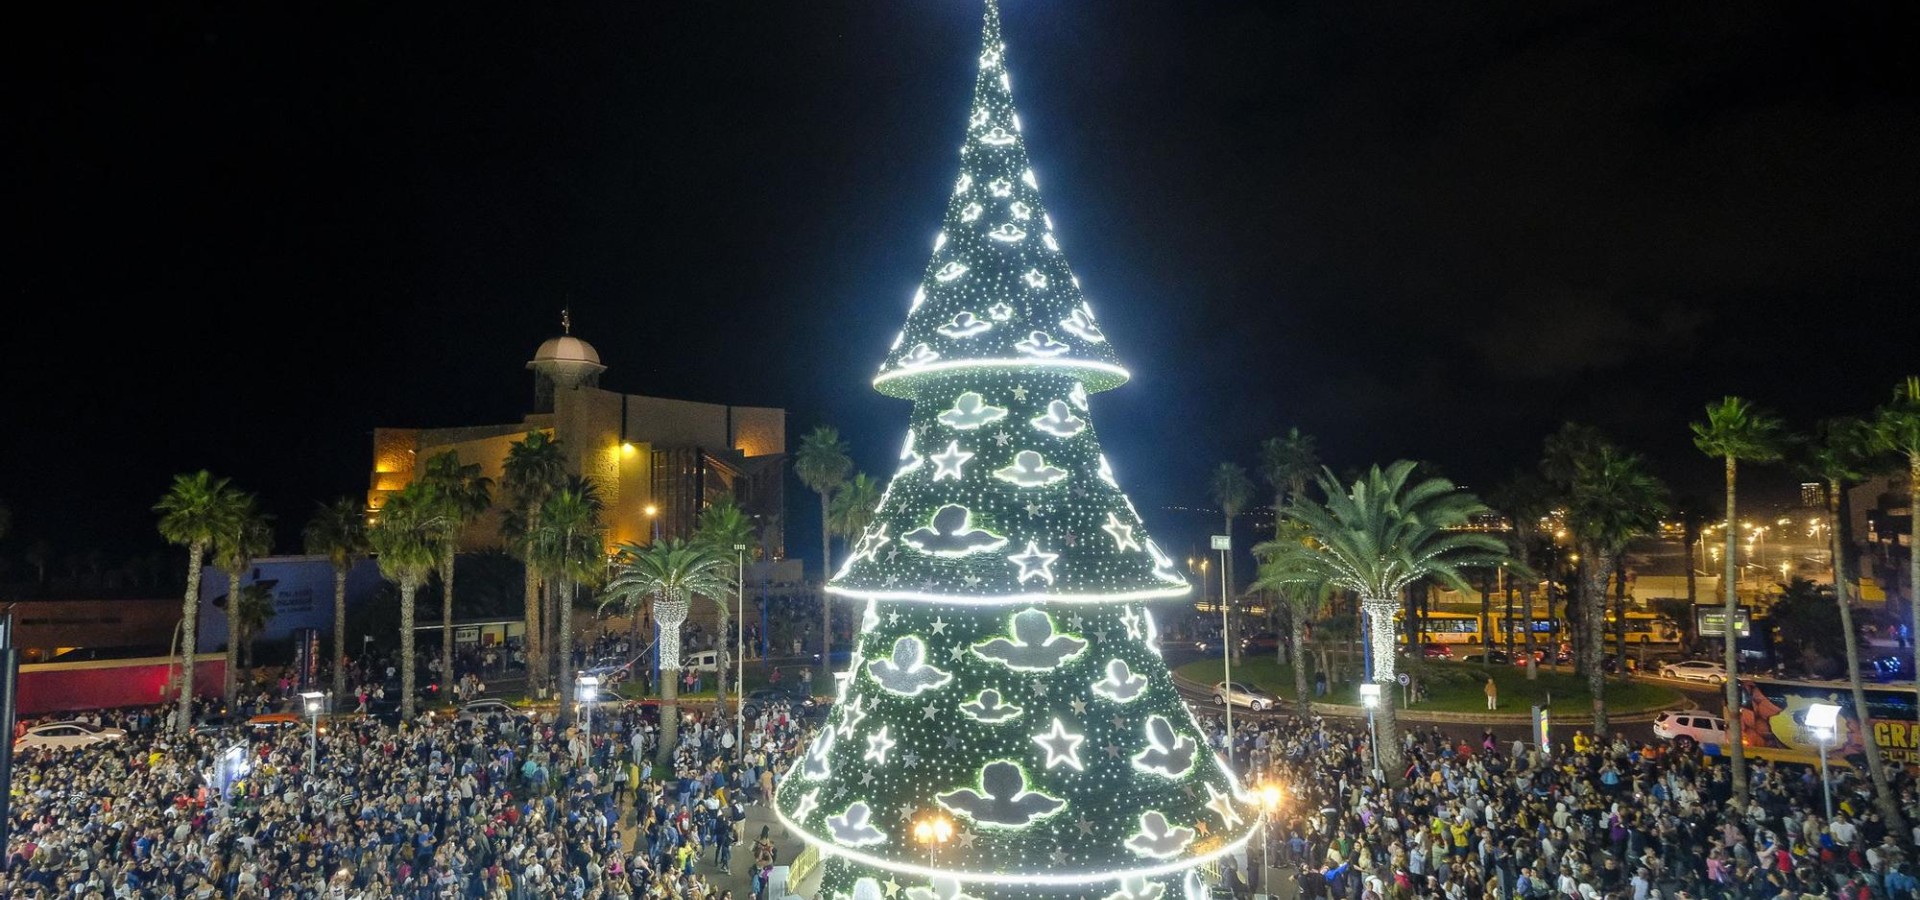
[{"x": 1006, "y": 678}]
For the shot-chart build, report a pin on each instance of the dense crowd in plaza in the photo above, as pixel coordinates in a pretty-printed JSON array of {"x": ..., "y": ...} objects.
[
  {"x": 1482, "y": 818},
  {"x": 506, "y": 808}
]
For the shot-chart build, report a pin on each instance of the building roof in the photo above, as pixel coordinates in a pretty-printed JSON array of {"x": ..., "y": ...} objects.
[{"x": 566, "y": 348}]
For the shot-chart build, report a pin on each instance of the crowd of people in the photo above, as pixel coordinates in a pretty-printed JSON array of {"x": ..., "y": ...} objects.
[
  {"x": 1483, "y": 818},
  {"x": 505, "y": 807}
]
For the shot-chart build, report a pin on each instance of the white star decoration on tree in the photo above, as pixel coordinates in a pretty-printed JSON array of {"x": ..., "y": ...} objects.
[
  {"x": 1222, "y": 806},
  {"x": 878, "y": 743},
  {"x": 1122, "y": 533},
  {"x": 948, "y": 462},
  {"x": 1062, "y": 746},
  {"x": 1034, "y": 564}
]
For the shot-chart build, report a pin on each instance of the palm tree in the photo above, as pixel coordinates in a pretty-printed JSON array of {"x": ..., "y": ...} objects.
[
  {"x": 568, "y": 550},
  {"x": 670, "y": 572},
  {"x": 1839, "y": 457},
  {"x": 823, "y": 465},
  {"x": 1613, "y": 500},
  {"x": 1231, "y": 491},
  {"x": 722, "y": 527},
  {"x": 1896, "y": 429},
  {"x": 406, "y": 537},
  {"x": 1525, "y": 499},
  {"x": 852, "y": 507},
  {"x": 246, "y": 535},
  {"x": 1302, "y": 591},
  {"x": 1374, "y": 539},
  {"x": 1286, "y": 464},
  {"x": 533, "y": 468},
  {"x": 463, "y": 495},
  {"x": 1693, "y": 516},
  {"x": 254, "y": 611},
  {"x": 193, "y": 513},
  {"x": 338, "y": 531},
  {"x": 1735, "y": 431}
]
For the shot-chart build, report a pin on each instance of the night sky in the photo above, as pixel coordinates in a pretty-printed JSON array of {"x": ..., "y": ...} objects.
[{"x": 247, "y": 234}]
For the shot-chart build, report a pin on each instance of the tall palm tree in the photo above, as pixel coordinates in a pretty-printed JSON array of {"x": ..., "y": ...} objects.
[
  {"x": 1286, "y": 464},
  {"x": 406, "y": 537},
  {"x": 671, "y": 573},
  {"x": 338, "y": 531},
  {"x": 533, "y": 469},
  {"x": 722, "y": 527},
  {"x": 247, "y": 535},
  {"x": 462, "y": 495},
  {"x": 569, "y": 550},
  {"x": 1614, "y": 500},
  {"x": 1839, "y": 456},
  {"x": 1896, "y": 429},
  {"x": 1735, "y": 431},
  {"x": 1231, "y": 491},
  {"x": 1525, "y": 499},
  {"x": 253, "y": 609},
  {"x": 193, "y": 513},
  {"x": 1375, "y": 538},
  {"x": 1693, "y": 515},
  {"x": 823, "y": 465},
  {"x": 1304, "y": 592},
  {"x": 852, "y": 507}
]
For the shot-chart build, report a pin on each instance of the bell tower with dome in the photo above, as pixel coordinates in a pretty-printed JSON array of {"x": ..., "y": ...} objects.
[{"x": 563, "y": 363}]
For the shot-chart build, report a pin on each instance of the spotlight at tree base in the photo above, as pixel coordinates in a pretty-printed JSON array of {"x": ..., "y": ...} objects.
[{"x": 1007, "y": 727}]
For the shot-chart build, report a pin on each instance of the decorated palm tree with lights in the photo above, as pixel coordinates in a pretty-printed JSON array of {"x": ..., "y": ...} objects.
[{"x": 1006, "y": 727}]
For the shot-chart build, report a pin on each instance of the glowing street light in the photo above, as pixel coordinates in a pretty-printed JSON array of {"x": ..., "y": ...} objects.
[
  {"x": 1370, "y": 698},
  {"x": 1822, "y": 719},
  {"x": 314, "y": 703},
  {"x": 1269, "y": 796},
  {"x": 585, "y": 687}
]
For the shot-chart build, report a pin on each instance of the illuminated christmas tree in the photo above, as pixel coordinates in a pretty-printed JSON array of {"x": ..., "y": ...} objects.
[{"x": 1007, "y": 680}]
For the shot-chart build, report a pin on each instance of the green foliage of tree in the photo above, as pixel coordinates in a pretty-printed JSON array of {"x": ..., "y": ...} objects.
[
  {"x": 1896, "y": 430},
  {"x": 338, "y": 531},
  {"x": 247, "y": 534},
  {"x": 723, "y": 527},
  {"x": 567, "y": 549},
  {"x": 823, "y": 466},
  {"x": 1612, "y": 500},
  {"x": 460, "y": 495},
  {"x": 534, "y": 468},
  {"x": 407, "y": 536},
  {"x": 669, "y": 574}
]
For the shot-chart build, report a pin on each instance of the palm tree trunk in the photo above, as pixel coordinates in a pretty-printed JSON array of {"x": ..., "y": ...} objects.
[
  {"x": 1913, "y": 548},
  {"x": 189, "y": 632},
  {"x": 1232, "y": 637},
  {"x": 408, "y": 588},
  {"x": 1593, "y": 648},
  {"x": 1508, "y": 637},
  {"x": 1486, "y": 621},
  {"x": 826, "y": 600},
  {"x": 723, "y": 658},
  {"x": 1297, "y": 635},
  {"x": 1620, "y": 613},
  {"x": 1869, "y": 745},
  {"x": 232, "y": 681},
  {"x": 563, "y": 645},
  {"x": 1731, "y": 638},
  {"x": 1380, "y": 643},
  {"x": 1526, "y": 602},
  {"x": 340, "y": 632},
  {"x": 446, "y": 618}
]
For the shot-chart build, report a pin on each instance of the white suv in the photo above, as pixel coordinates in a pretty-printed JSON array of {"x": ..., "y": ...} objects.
[
  {"x": 1695, "y": 670},
  {"x": 1696, "y": 725}
]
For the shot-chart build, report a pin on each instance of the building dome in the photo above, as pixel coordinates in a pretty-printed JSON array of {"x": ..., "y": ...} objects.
[{"x": 566, "y": 349}]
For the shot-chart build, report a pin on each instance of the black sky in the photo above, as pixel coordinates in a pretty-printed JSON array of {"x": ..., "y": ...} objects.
[{"x": 246, "y": 234}]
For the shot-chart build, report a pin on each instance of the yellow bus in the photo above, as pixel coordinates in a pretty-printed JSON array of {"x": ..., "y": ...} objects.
[
  {"x": 1443, "y": 628},
  {"x": 1646, "y": 628}
]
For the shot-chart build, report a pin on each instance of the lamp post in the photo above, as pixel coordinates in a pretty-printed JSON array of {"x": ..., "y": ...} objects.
[
  {"x": 933, "y": 829},
  {"x": 584, "y": 687},
  {"x": 315, "y": 703},
  {"x": 1370, "y": 698},
  {"x": 1222, "y": 542},
  {"x": 1822, "y": 719},
  {"x": 1269, "y": 794},
  {"x": 740, "y": 652}
]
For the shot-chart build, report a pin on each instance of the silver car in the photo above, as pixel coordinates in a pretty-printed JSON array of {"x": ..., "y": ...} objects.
[
  {"x": 1695, "y": 670},
  {"x": 67, "y": 735},
  {"x": 1242, "y": 694}
]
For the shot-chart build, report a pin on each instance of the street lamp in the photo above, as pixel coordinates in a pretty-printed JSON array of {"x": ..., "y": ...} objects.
[
  {"x": 1370, "y": 698},
  {"x": 1269, "y": 794},
  {"x": 933, "y": 829},
  {"x": 1822, "y": 719},
  {"x": 315, "y": 703},
  {"x": 585, "y": 686},
  {"x": 740, "y": 652},
  {"x": 1222, "y": 542}
]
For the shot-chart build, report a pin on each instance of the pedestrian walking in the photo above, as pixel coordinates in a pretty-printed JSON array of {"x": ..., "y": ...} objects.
[{"x": 1493, "y": 694}]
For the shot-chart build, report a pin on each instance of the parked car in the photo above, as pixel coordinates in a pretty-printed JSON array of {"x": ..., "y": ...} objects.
[
  {"x": 1495, "y": 657},
  {"x": 607, "y": 666},
  {"x": 702, "y": 661},
  {"x": 1265, "y": 642},
  {"x": 1695, "y": 725},
  {"x": 797, "y": 698},
  {"x": 66, "y": 735},
  {"x": 1695, "y": 670},
  {"x": 1242, "y": 694},
  {"x": 480, "y": 710}
]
